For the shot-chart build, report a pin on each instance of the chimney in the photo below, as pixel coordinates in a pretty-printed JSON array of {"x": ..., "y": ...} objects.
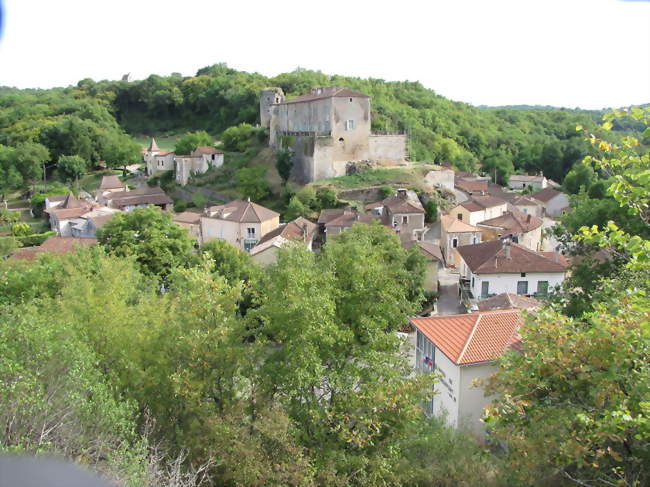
[
  {"x": 401, "y": 193},
  {"x": 506, "y": 247},
  {"x": 528, "y": 218}
]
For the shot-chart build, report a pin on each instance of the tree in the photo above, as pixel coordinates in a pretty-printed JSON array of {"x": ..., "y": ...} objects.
[
  {"x": 431, "y": 209},
  {"x": 284, "y": 163},
  {"x": 29, "y": 159},
  {"x": 21, "y": 229},
  {"x": 499, "y": 162},
  {"x": 190, "y": 141},
  {"x": 580, "y": 176},
  {"x": 121, "y": 151},
  {"x": 295, "y": 208},
  {"x": 72, "y": 167},
  {"x": 199, "y": 200},
  {"x": 150, "y": 237},
  {"x": 252, "y": 183}
]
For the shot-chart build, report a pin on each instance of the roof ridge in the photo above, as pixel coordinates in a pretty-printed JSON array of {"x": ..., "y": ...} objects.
[{"x": 469, "y": 339}]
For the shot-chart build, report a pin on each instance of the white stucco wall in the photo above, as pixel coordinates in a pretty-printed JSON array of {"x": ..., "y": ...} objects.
[
  {"x": 507, "y": 283},
  {"x": 554, "y": 206},
  {"x": 472, "y": 399},
  {"x": 445, "y": 402}
]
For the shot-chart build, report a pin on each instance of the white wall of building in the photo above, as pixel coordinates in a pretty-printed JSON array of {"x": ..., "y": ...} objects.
[
  {"x": 507, "y": 283},
  {"x": 472, "y": 399}
]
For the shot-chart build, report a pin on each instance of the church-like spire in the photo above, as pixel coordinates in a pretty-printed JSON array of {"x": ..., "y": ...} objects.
[{"x": 153, "y": 147}]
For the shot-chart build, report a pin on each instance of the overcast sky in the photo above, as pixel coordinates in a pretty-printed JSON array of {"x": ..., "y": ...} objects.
[{"x": 586, "y": 53}]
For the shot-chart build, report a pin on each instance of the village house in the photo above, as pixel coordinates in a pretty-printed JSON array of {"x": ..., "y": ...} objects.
[
  {"x": 345, "y": 220},
  {"x": 139, "y": 198},
  {"x": 299, "y": 230},
  {"x": 479, "y": 208},
  {"x": 472, "y": 187},
  {"x": 522, "y": 181},
  {"x": 435, "y": 261},
  {"x": 403, "y": 212},
  {"x": 65, "y": 213},
  {"x": 242, "y": 223},
  {"x": 496, "y": 267},
  {"x": 326, "y": 130},
  {"x": 519, "y": 227},
  {"x": 462, "y": 349},
  {"x": 191, "y": 221},
  {"x": 198, "y": 162},
  {"x": 453, "y": 234},
  {"x": 55, "y": 245},
  {"x": 109, "y": 184},
  {"x": 87, "y": 225},
  {"x": 553, "y": 202},
  {"x": 508, "y": 301},
  {"x": 525, "y": 205},
  {"x": 157, "y": 160}
]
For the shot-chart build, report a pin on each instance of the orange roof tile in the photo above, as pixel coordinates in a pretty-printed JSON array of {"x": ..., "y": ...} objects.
[{"x": 472, "y": 338}]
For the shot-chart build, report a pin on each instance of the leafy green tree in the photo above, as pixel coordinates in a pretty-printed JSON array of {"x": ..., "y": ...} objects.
[
  {"x": 230, "y": 262},
  {"x": 295, "y": 208},
  {"x": 29, "y": 160},
  {"x": 499, "y": 162},
  {"x": 284, "y": 163},
  {"x": 386, "y": 191},
  {"x": 21, "y": 229},
  {"x": 121, "y": 151},
  {"x": 72, "y": 167},
  {"x": 150, "y": 237},
  {"x": 199, "y": 200},
  {"x": 7, "y": 246},
  {"x": 190, "y": 141},
  {"x": 327, "y": 198},
  {"x": 431, "y": 211},
  {"x": 252, "y": 183},
  {"x": 580, "y": 176}
]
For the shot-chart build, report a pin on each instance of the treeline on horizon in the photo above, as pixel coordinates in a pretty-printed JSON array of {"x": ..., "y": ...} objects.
[{"x": 88, "y": 118}]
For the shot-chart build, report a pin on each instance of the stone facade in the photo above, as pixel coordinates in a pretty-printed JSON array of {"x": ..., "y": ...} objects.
[{"x": 325, "y": 130}]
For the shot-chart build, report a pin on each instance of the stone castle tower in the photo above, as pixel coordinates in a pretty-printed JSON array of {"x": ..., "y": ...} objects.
[{"x": 268, "y": 98}]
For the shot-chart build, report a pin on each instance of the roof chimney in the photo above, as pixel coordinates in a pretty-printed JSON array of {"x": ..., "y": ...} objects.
[
  {"x": 401, "y": 193},
  {"x": 506, "y": 246},
  {"x": 528, "y": 218}
]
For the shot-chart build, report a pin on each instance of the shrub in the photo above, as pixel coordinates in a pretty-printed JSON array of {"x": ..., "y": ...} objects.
[
  {"x": 21, "y": 229},
  {"x": 239, "y": 138},
  {"x": 431, "y": 209},
  {"x": 387, "y": 192},
  {"x": 180, "y": 206}
]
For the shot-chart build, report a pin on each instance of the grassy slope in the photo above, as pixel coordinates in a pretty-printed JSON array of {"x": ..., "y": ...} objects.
[{"x": 165, "y": 142}]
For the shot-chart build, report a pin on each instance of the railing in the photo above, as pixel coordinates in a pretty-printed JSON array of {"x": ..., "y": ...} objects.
[{"x": 466, "y": 296}]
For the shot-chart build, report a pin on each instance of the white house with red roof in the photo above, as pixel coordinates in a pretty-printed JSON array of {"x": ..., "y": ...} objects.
[{"x": 462, "y": 349}]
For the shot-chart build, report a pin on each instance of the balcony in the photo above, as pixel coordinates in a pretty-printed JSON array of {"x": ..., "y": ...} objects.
[{"x": 466, "y": 297}]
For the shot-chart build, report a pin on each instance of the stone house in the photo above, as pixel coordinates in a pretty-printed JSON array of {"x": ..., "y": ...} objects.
[
  {"x": 299, "y": 230},
  {"x": 87, "y": 225},
  {"x": 66, "y": 213},
  {"x": 157, "y": 160},
  {"x": 139, "y": 198},
  {"x": 198, "y": 162},
  {"x": 462, "y": 350},
  {"x": 525, "y": 205},
  {"x": 553, "y": 202},
  {"x": 326, "y": 130},
  {"x": 453, "y": 234},
  {"x": 521, "y": 228},
  {"x": 496, "y": 267},
  {"x": 242, "y": 223},
  {"x": 403, "y": 212},
  {"x": 522, "y": 181},
  {"x": 345, "y": 220},
  {"x": 472, "y": 187},
  {"x": 479, "y": 208},
  {"x": 191, "y": 221}
]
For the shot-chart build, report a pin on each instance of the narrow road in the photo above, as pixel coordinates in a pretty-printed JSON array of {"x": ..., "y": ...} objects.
[{"x": 449, "y": 301}]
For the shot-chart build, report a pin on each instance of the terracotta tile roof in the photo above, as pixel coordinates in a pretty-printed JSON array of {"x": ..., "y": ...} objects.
[
  {"x": 514, "y": 221},
  {"x": 70, "y": 208},
  {"x": 348, "y": 219},
  {"x": 56, "y": 245},
  {"x": 399, "y": 204},
  {"x": 187, "y": 217},
  {"x": 472, "y": 338},
  {"x": 58, "y": 197},
  {"x": 153, "y": 147},
  {"x": 520, "y": 200},
  {"x": 206, "y": 149},
  {"x": 454, "y": 225},
  {"x": 546, "y": 194},
  {"x": 500, "y": 192},
  {"x": 111, "y": 182},
  {"x": 330, "y": 214},
  {"x": 140, "y": 196},
  {"x": 491, "y": 258},
  {"x": 429, "y": 250},
  {"x": 328, "y": 92},
  {"x": 164, "y": 153},
  {"x": 471, "y": 206},
  {"x": 507, "y": 301},
  {"x": 471, "y": 186},
  {"x": 100, "y": 220},
  {"x": 483, "y": 202},
  {"x": 242, "y": 212},
  {"x": 292, "y": 230}
]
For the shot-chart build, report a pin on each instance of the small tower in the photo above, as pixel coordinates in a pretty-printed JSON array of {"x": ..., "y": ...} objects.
[
  {"x": 268, "y": 98},
  {"x": 153, "y": 147}
]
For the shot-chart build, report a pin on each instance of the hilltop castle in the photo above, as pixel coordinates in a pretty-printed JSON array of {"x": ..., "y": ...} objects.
[{"x": 327, "y": 130}]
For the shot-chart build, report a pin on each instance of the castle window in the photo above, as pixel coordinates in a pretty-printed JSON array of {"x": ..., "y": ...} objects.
[{"x": 349, "y": 125}]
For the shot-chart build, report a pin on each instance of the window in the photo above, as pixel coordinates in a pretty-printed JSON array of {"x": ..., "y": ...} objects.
[
  {"x": 523, "y": 274},
  {"x": 249, "y": 244},
  {"x": 454, "y": 243},
  {"x": 525, "y": 210},
  {"x": 485, "y": 289},
  {"x": 474, "y": 240},
  {"x": 522, "y": 287},
  {"x": 542, "y": 288},
  {"x": 349, "y": 125},
  {"x": 460, "y": 216},
  {"x": 515, "y": 238},
  {"x": 350, "y": 100},
  {"x": 250, "y": 232},
  {"x": 405, "y": 220},
  {"x": 472, "y": 282}
]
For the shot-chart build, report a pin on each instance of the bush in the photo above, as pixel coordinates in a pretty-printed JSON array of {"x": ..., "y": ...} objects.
[
  {"x": 431, "y": 209},
  {"x": 387, "y": 192},
  {"x": 239, "y": 138},
  {"x": 180, "y": 206},
  {"x": 199, "y": 200},
  {"x": 327, "y": 198},
  {"x": 7, "y": 216},
  {"x": 21, "y": 229},
  {"x": 38, "y": 199}
]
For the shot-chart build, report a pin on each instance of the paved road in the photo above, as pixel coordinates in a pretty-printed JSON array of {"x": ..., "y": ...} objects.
[{"x": 449, "y": 301}]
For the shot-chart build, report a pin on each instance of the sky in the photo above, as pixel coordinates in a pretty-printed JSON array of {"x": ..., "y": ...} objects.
[{"x": 571, "y": 53}]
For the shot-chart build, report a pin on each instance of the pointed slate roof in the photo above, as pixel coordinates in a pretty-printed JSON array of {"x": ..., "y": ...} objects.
[
  {"x": 153, "y": 147},
  {"x": 474, "y": 338}
]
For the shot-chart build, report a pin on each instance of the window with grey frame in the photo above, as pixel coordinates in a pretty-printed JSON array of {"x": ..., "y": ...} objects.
[{"x": 522, "y": 287}]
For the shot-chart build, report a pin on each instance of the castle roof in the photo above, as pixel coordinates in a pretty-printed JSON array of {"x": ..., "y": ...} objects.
[
  {"x": 153, "y": 147},
  {"x": 322, "y": 93}
]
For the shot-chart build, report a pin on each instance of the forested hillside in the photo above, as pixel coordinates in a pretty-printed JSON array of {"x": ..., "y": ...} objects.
[{"x": 88, "y": 119}]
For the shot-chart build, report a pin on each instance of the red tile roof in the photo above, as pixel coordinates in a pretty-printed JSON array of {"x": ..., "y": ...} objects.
[
  {"x": 454, "y": 225},
  {"x": 429, "y": 250},
  {"x": 206, "y": 149},
  {"x": 491, "y": 258},
  {"x": 401, "y": 204},
  {"x": 348, "y": 219},
  {"x": 330, "y": 214},
  {"x": 242, "y": 212},
  {"x": 111, "y": 182},
  {"x": 187, "y": 217},
  {"x": 507, "y": 301},
  {"x": 471, "y": 186},
  {"x": 546, "y": 195},
  {"x": 514, "y": 222},
  {"x": 472, "y": 338},
  {"x": 56, "y": 245}
]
